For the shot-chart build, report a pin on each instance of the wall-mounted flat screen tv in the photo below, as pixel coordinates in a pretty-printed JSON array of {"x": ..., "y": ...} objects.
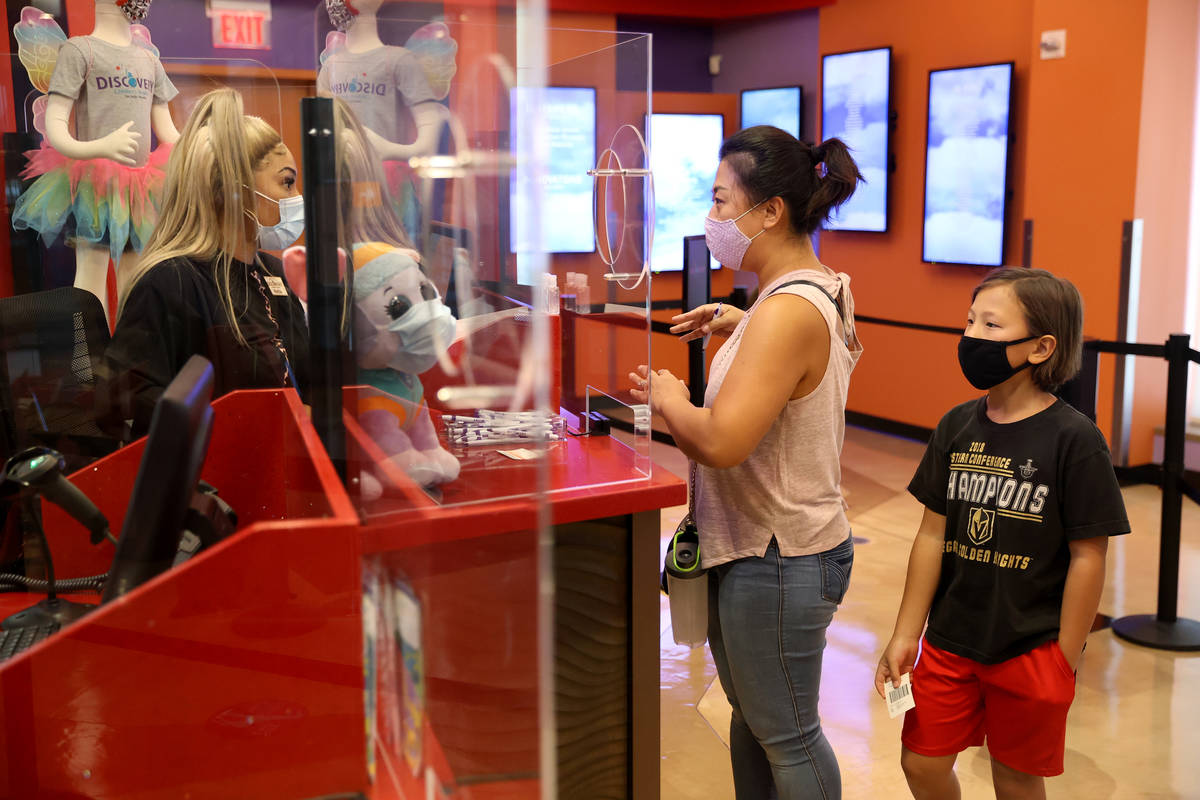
[
  {"x": 570, "y": 114},
  {"x": 966, "y": 165},
  {"x": 855, "y": 107},
  {"x": 683, "y": 158},
  {"x": 782, "y": 107}
]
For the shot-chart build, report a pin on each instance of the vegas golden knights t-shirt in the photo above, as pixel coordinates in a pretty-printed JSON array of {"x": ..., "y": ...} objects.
[{"x": 1013, "y": 495}]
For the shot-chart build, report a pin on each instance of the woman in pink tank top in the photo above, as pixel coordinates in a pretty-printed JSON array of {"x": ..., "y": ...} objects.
[{"x": 765, "y": 451}]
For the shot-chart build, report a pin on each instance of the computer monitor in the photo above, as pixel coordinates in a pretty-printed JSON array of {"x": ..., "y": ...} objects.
[
  {"x": 966, "y": 165},
  {"x": 684, "y": 152},
  {"x": 570, "y": 116},
  {"x": 167, "y": 476},
  {"x": 782, "y": 107},
  {"x": 697, "y": 290},
  {"x": 696, "y": 279},
  {"x": 856, "y": 108}
]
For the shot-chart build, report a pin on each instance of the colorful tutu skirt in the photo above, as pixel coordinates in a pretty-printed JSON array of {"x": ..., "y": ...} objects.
[{"x": 94, "y": 200}]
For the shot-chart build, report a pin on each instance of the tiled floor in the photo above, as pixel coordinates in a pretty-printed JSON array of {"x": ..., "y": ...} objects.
[{"x": 1133, "y": 731}]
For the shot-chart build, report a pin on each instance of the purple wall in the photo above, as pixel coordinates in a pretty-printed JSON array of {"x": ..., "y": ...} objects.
[
  {"x": 680, "y": 52},
  {"x": 778, "y": 50},
  {"x": 181, "y": 30}
]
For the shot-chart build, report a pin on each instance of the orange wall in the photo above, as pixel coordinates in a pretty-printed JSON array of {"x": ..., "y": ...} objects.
[
  {"x": 1082, "y": 157},
  {"x": 1075, "y": 123},
  {"x": 890, "y": 280}
]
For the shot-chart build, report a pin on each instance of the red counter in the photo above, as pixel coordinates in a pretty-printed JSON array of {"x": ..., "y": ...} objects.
[{"x": 241, "y": 672}]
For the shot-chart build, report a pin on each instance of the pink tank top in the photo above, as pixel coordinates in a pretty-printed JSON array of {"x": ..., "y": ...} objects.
[{"x": 789, "y": 487}]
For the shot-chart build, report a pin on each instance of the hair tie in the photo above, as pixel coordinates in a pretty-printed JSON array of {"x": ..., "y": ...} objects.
[{"x": 818, "y": 153}]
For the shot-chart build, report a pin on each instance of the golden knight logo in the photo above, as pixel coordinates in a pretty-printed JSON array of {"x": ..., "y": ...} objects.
[{"x": 980, "y": 524}]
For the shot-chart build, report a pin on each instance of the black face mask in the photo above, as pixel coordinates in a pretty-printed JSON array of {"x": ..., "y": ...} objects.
[{"x": 985, "y": 362}]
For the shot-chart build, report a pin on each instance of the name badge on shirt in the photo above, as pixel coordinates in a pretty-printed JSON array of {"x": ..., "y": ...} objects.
[{"x": 276, "y": 286}]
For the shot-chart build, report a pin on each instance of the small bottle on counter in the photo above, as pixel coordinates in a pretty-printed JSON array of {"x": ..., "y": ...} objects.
[
  {"x": 583, "y": 293},
  {"x": 550, "y": 293}
]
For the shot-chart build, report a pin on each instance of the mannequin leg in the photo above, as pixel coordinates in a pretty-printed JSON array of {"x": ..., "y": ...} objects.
[
  {"x": 124, "y": 270},
  {"x": 91, "y": 271}
]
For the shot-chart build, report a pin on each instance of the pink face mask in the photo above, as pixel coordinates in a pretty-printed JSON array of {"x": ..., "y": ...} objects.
[{"x": 726, "y": 241}]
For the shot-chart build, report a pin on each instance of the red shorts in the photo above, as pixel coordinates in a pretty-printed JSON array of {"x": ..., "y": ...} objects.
[{"x": 1019, "y": 705}]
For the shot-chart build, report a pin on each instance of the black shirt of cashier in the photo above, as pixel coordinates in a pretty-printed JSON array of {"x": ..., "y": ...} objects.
[
  {"x": 1013, "y": 496},
  {"x": 175, "y": 312}
]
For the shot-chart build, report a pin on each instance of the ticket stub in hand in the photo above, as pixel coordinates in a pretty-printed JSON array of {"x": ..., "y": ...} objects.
[{"x": 900, "y": 698}]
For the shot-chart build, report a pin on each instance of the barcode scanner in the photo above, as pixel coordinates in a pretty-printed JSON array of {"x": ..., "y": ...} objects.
[{"x": 41, "y": 470}]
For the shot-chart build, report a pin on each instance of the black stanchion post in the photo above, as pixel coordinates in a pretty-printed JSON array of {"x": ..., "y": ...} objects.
[
  {"x": 1172, "y": 498},
  {"x": 324, "y": 290},
  {"x": 1165, "y": 630},
  {"x": 1080, "y": 391}
]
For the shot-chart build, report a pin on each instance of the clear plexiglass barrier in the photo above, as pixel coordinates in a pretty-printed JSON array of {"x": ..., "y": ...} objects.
[
  {"x": 493, "y": 216},
  {"x": 491, "y": 200}
]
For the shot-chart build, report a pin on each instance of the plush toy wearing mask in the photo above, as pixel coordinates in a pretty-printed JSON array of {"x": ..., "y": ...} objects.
[{"x": 401, "y": 327}]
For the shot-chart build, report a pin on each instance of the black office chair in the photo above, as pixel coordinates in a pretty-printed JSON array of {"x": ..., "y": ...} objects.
[{"x": 51, "y": 345}]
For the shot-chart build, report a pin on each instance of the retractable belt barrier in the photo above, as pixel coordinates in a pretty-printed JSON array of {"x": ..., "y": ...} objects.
[{"x": 1164, "y": 630}]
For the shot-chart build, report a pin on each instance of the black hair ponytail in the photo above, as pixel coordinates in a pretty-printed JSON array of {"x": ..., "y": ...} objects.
[
  {"x": 769, "y": 162},
  {"x": 834, "y": 187}
]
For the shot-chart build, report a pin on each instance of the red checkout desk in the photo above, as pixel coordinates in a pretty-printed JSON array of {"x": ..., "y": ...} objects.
[{"x": 241, "y": 672}]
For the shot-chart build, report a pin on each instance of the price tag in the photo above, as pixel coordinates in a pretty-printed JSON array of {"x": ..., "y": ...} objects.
[
  {"x": 900, "y": 698},
  {"x": 519, "y": 454}
]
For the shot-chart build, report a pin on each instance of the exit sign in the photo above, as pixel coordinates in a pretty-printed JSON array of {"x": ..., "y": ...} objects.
[{"x": 241, "y": 28}]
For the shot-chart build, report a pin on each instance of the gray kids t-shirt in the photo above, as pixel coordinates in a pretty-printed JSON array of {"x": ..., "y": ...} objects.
[
  {"x": 378, "y": 85},
  {"x": 111, "y": 85}
]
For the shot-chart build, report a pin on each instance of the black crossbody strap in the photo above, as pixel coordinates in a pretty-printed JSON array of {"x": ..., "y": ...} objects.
[{"x": 836, "y": 304}]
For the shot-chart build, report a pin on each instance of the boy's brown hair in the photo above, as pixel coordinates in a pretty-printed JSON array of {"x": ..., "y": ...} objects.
[{"x": 1053, "y": 307}]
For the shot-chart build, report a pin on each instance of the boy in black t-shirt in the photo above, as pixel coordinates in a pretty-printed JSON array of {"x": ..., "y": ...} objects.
[{"x": 1008, "y": 565}]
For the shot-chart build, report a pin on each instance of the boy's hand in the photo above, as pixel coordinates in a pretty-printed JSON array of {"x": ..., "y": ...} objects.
[{"x": 899, "y": 657}]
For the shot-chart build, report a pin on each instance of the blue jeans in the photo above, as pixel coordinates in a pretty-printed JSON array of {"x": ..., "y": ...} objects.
[{"x": 766, "y": 628}]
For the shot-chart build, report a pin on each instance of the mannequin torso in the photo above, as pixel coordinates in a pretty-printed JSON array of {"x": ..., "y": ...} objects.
[
  {"x": 385, "y": 86},
  {"x": 114, "y": 84}
]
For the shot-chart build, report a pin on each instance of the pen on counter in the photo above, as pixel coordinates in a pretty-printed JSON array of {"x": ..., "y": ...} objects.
[{"x": 716, "y": 314}]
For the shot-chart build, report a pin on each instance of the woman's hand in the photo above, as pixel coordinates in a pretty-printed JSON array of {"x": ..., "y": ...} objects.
[
  {"x": 700, "y": 321},
  {"x": 657, "y": 387},
  {"x": 899, "y": 657}
]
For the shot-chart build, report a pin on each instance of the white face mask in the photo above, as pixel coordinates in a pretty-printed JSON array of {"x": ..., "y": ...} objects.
[
  {"x": 291, "y": 223},
  {"x": 425, "y": 331}
]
